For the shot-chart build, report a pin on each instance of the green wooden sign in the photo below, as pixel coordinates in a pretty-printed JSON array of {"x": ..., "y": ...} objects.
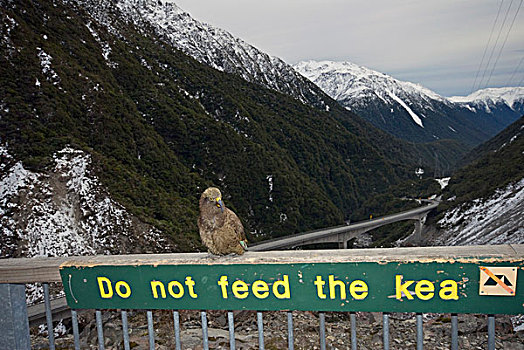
[{"x": 443, "y": 287}]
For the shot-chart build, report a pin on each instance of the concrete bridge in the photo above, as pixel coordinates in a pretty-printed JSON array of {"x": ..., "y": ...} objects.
[{"x": 342, "y": 234}]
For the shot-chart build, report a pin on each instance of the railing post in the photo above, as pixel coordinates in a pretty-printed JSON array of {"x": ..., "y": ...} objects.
[
  {"x": 13, "y": 318},
  {"x": 290, "y": 337},
  {"x": 353, "y": 320},
  {"x": 420, "y": 332},
  {"x": 385, "y": 327},
  {"x": 260, "y": 323},
  {"x": 231, "y": 324},
  {"x": 454, "y": 332},
  {"x": 322, "y": 319},
  {"x": 49, "y": 317},
  {"x": 76, "y": 333},
  {"x": 176, "y": 319},
  {"x": 100, "y": 330},
  {"x": 205, "y": 341},
  {"x": 125, "y": 330},
  {"x": 151, "y": 330},
  {"x": 491, "y": 332}
]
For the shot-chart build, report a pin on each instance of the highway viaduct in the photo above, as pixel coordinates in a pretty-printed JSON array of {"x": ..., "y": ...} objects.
[{"x": 342, "y": 234}]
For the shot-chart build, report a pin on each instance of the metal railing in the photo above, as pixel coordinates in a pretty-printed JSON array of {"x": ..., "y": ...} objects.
[{"x": 14, "y": 272}]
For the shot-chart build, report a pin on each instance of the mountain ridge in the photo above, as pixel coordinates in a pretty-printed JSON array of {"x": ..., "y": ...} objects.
[
  {"x": 411, "y": 111},
  {"x": 209, "y": 45}
]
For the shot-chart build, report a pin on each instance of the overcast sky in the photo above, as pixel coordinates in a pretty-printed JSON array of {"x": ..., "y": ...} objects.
[{"x": 436, "y": 43}]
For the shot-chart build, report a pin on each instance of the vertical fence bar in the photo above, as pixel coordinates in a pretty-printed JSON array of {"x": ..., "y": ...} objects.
[
  {"x": 205, "y": 341},
  {"x": 420, "y": 332},
  {"x": 76, "y": 334},
  {"x": 100, "y": 329},
  {"x": 290, "y": 337},
  {"x": 14, "y": 325},
  {"x": 260, "y": 323},
  {"x": 353, "y": 320},
  {"x": 151, "y": 330},
  {"x": 385, "y": 323},
  {"x": 454, "y": 332},
  {"x": 231, "y": 324},
  {"x": 491, "y": 332},
  {"x": 176, "y": 319},
  {"x": 322, "y": 317},
  {"x": 125, "y": 330},
  {"x": 49, "y": 317}
]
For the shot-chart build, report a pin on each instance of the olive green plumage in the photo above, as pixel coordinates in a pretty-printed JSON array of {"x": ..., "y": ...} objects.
[{"x": 220, "y": 228}]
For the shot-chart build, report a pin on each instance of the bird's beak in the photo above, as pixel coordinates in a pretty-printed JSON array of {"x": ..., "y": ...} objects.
[{"x": 220, "y": 204}]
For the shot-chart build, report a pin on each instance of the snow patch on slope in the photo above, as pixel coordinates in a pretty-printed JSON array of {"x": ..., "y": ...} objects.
[
  {"x": 413, "y": 115},
  {"x": 443, "y": 182},
  {"x": 47, "y": 69},
  {"x": 496, "y": 220},
  {"x": 65, "y": 211}
]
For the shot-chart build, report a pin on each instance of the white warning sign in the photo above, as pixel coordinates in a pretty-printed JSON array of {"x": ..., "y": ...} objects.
[{"x": 496, "y": 280}]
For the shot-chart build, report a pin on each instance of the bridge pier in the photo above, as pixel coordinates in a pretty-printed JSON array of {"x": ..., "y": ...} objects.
[{"x": 419, "y": 225}]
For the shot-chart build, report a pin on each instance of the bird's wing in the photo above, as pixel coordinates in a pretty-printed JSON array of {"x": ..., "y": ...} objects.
[{"x": 239, "y": 228}]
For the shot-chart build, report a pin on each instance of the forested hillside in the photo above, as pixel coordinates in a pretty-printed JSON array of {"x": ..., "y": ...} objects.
[{"x": 484, "y": 201}]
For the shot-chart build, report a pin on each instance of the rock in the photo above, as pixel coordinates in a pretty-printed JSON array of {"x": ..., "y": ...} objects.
[{"x": 512, "y": 346}]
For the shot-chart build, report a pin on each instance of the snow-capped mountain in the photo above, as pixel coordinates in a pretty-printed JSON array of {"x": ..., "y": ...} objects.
[
  {"x": 352, "y": 85},
  {"x": 492, "y": 100},
  {"x": 412, "y": 111},
  {"x": 208, "y": 44}
]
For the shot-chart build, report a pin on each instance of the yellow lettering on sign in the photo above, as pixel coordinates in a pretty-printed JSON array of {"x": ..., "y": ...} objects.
[
  {"x": 284, "y": 284},
  {"x": 424, "y": 290},
  {"x": 402, "y": 288},
  {"x": 358, "y": 289},
  {"x": 170, "y": 288},
  {"x": 260, "y": 289},
  {"x": 190, "y": 284},
  {"x": 334, "y": 283},
  {"x": 223, "y": 285},
  {"x": 240, "y": 289},
  {"x": 155, "y": 286},
  {"x": 320, "y": 287},
  {"x": 449, "y": 290},
  {"x": 125, "y": 285},
  {"x": 104, "y": 287}
]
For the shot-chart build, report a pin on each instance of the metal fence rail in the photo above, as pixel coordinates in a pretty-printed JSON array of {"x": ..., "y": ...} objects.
[
  {"x": 12, "y": 274},
  {"x": 322, "y": 331}
]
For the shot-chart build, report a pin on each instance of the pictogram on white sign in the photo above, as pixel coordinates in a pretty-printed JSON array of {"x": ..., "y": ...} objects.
[{"x": 496, "y": 280}]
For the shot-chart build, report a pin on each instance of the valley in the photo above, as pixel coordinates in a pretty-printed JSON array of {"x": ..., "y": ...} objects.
[{"x": 160, "y": 105}]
